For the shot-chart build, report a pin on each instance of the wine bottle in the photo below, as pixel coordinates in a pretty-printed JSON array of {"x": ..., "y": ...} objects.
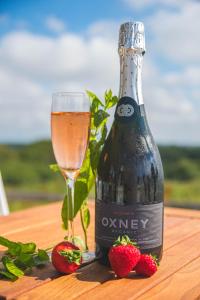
[{"x": 129, "y": 185}]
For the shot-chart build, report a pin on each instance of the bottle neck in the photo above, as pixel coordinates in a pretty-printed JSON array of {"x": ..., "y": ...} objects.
[{"x": 130, "y": 75}]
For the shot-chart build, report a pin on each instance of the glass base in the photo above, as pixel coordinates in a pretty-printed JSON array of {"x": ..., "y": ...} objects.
[{"x": 88, "y": 257}]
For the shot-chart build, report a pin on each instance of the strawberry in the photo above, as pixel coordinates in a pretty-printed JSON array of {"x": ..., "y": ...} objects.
[
  {"x": 146, "y": 266},
  {"x": 123, "y": 256},
  {"x": 66, "y": 257}
]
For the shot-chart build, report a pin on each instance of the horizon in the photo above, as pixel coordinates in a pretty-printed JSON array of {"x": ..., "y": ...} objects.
[{"x": 33, "y": 142}]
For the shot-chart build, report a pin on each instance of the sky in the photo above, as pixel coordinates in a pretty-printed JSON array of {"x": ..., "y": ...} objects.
[{"x": 48, "y": 46}]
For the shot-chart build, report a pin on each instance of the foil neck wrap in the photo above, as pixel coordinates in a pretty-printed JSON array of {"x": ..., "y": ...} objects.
[{"x": 131, "y": 36}]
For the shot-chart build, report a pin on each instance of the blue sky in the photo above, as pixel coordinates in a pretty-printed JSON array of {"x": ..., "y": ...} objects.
[
  {"x": 76, "y": 14},
  {"x": 72, "y": 45}
]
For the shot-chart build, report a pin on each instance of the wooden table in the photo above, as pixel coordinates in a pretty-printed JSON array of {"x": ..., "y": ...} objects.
[{"x": 178, "y": 276}]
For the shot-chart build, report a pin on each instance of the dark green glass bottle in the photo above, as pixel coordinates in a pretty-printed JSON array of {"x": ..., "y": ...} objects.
[{"x": 129, "y": 186}]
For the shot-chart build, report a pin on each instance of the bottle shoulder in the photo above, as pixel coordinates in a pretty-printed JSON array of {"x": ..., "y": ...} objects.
[{"x": 137, "y": 152}]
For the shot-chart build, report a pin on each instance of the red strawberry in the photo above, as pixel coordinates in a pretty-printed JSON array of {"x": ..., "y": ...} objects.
[
  {"x": 146, "y": 266},
  {"x": 66, "y": 257},
  {"x": 123, "y": 256}
]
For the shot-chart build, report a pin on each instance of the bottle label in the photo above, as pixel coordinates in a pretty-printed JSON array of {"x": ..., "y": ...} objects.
[
  {"x": 142, "y": 223},
  {"x": 127, "y": 110}
]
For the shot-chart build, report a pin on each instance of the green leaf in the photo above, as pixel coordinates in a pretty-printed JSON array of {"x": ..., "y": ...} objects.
[
  {"x": 91, "y": 180},
  {"x": 17, "y": 248},
  {"x": 41, "y": 258},
  {"x": 103, "y": 134},
  {"x": 80, "y": 194},
  {"x": 84, "y": 171},
  {"x": 95, "y": 101},
  {"x": 43, "y": 255},
  {"x": 94, "y": 154},
  {"x": 24, "y": 260},
  {"x": 108, "y": 96},
  {"x": 99, "y": 117},
  {"x": 13, "y": 247},
  {"x": 86, "y": 217},
  {"x": 28, "y": 247},
  {"x": 65, "y": 213},
  {"x": 86, "y": 175},
  {"x": 11, "y": 267},
  {"x": 113, "y": 101},
  {"x": 8, "y": 275},
  {"x": 54, "y": 168}
]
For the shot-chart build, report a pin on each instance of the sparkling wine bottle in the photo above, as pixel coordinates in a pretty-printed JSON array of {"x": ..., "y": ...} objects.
[{"x": 129, "y": 186}]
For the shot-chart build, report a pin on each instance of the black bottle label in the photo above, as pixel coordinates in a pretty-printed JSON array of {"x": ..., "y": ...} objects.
[
  {"x": 127, "y": 110},
  {"x": 142, "y": 223}
]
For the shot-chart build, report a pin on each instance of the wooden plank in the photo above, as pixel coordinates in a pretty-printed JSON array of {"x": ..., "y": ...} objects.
[
  {"x": 128, "y": 288},
  {"x": 32, "y": 218},
  {"x": 46, "y": 234},
  {"x": 174, "y": 235},
  {"x": 49, "y": 220},
  {"x": 87, "y": 278},
  {"x": 182, "y": 285},
  {"x": 9, "y": 290},
  {"x": 29, "y": 218},
  {"x": 182, "y": 212},
  {"x": 171, "y": 222},
  {"x": 45, "y": 229}
]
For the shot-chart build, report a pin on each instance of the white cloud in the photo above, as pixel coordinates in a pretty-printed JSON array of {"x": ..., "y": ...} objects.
[
  {"x": 24, "y": 108},
  {"x": 32, "y": 66},
  {"x": 106, "y": 29},
  {"x": 173, "y": 112},
  {"x": 55, "y": 24},
  {"x": 57, "y": 58},
  {"x": 175, "y": 35}
]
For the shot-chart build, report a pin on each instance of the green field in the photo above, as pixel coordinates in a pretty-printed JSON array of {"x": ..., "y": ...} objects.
[{"x": 25, "y": 169}]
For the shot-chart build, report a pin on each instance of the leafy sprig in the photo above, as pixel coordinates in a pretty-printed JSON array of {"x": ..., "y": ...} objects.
[
  {"x": 20, "y": 258},
  {"x": 98, "y": 132}
]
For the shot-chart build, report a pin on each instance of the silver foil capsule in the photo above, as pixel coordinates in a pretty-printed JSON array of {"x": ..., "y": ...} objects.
[{"x": 131, "y": 36}]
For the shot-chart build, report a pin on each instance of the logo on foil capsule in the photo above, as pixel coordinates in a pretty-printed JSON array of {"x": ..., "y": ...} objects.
[{"x": 125, "y": 110}]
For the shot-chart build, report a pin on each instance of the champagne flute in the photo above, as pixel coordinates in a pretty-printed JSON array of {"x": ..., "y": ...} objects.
[{"x": 70, "y": 124}]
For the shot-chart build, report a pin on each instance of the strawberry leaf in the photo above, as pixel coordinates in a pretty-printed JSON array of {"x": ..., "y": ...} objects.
[
  {"x": 124, "y": 240},
  {"x": 72, "y": 256}
]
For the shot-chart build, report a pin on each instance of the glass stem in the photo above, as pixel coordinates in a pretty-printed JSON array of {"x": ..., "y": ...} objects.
[{"x": 70, "y": 193}]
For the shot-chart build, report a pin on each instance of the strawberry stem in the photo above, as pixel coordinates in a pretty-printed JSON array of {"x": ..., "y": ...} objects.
[{"x": 124, "y": 240}]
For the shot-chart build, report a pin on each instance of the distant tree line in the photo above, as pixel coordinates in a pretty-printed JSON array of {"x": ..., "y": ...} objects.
[
  {"x": 180, "y": 163},
  {"x": 20, "y": 164}
]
